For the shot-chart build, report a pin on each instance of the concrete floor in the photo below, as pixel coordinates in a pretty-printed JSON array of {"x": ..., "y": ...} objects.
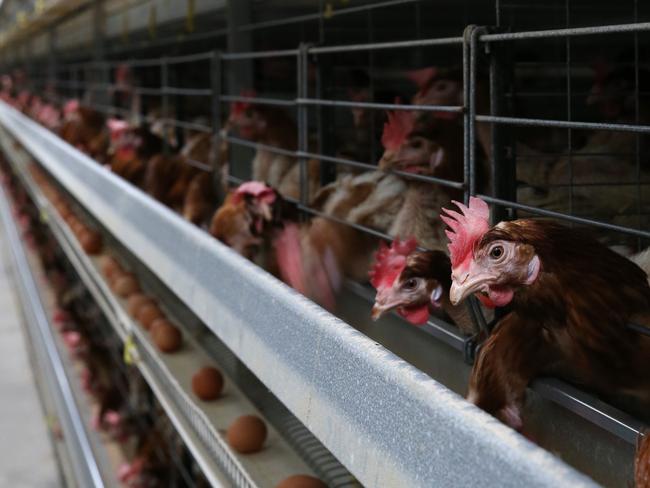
[{"x": 26, "y": 452}]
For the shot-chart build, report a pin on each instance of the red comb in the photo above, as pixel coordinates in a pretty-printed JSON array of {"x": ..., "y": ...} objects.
[
  {"x": 258, "y": 190},
  {"x": 71, "y": 106},
  {"x": 117, "y": 127},
  {"x": 467, "y": 227},
  {"x": 112, "y": 418},
  {"x": 396, "y": 130},
  {"x": 422, "y": 77},
  {"x": 128, "y": 471},
  {"x": 390, "y": 262},
  {"x": 238, "y": 108}
]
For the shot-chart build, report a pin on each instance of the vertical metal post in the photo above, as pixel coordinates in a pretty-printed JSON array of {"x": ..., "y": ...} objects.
[
  {"x": 470, "y": 55},
  {"x": 471, "y": 105},
  {"x": 470, "y": 61},
  {"x": 78, "y": 83},
  {"x": 303, "y": 115},
  {"x": 637, "y": 138},
  {"x": 164, "y": 84},
  {"x": 466, "y": 114},
  {"x": 99, "y": 73},
  {"x": 51, "y": 61},
  {"x": 374, "y": 157},
  {"x": 568, "y": 104},
  {"x": 503, "y": 170},
  {"x": 216, "y": 111},
  {"x": 240, "y": 74}
]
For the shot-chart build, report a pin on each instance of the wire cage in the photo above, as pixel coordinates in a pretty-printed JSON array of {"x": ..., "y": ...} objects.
[{"x": 548, "y": 120}]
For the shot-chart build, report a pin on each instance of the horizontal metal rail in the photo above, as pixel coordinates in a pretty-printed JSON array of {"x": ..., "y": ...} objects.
[
  {"x": 568, "y": 218},
  {"x": 379, "y": 106},
  {"x": 569, "y": 32},
  {"x": 342, "y": 161},
  {"x": 113, "y": 48},
  {"x": 591, "y": 408},
  {"x": 409, "y": 409},
  {"x": 563, "y": 124},
  {"x": 279, "y": 53},
  {"x": 257, "y": 100},
  {"x": 440, "y": 41},
  {"x": 321, "y": 15}
]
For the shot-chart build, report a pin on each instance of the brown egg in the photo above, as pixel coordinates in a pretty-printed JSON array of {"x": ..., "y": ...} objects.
[
  {"x": 166, "y": 335},
  {"x": 247, "y": 434},
  {"x": 126, "y": 285},
  {"x": 207, "y": 383},
  {"x": 117, "y": 275},
  {"x": 78, "y": 227},
  {"x": 91, "y": 242},
  {"x": 65, "y": 212},
  {"x": 137, "y": 300},
  {"x": 301, "y": 481},
  {"x": 110, "y": 267},
  {"x": 147, "y": 313}
]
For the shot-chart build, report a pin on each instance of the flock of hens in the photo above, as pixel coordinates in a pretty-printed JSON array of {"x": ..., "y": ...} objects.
[{"x": 560, "y": 301}]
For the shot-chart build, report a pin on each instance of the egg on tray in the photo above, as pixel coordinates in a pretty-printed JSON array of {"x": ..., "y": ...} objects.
[
  {"x": 247, "y": 434},
  {"x": 137, "y": 300},
  {"x": 301, "y": 481},
  {"x": 147, "y": 313},
  {"x": 166, "y": 335}
]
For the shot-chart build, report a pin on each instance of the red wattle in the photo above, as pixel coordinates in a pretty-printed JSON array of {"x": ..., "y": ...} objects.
[{"x": 418, "y": 315}]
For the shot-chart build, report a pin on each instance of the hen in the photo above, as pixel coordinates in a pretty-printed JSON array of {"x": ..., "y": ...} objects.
[
  {"x": 272, "y": 126},
  {"x": 569, "y": 301},
  {"x": 131, "y": 148},
  {"x": 85, "y": 129},
  {"x": 249, "y": 221},
  {"x": 416, "y": 283}
]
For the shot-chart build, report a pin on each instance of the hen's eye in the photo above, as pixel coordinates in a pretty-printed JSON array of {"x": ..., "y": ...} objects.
[
  {"x": 410, "y": 283},
  {"x": 496, "y": 252}
]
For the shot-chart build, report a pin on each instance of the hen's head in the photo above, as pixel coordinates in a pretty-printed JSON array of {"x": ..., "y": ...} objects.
[
  {"x": 614, "y": 91},
  {"x": 246, "y": 118},
  {"x": 411, "y": 281},
  {"x": 246, "y": 216},
  {"x": 232, "y": 225},
  {"x": 71, "y": 106},
  {"x": 493, "y": 263},
  {"x": 438, "y": 87},
  {"x": 260, "y": 200},
  {"x": 49, "y": 116},
  {"x": 124, "y": 139},
  {"x": 408, "y": 147}
]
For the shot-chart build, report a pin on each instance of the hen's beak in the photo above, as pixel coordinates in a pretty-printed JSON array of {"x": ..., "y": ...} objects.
[
  {"x": 468, "y": 285},
  {"x": 388, "y": 160},
  {"x": 384, "y": 303}
]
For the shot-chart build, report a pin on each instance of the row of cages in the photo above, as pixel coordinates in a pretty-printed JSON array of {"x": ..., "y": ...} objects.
[
  {"x": 373, "y": 116},
  {"x": 170, "y": 407}
]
